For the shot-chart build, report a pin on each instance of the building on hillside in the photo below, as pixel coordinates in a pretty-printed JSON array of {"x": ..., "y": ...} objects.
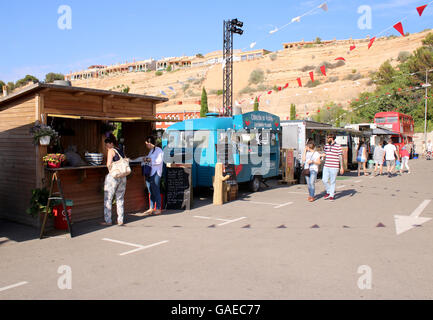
[
  {"x": 174, "y": 62},
  {"x": 300, "y": 44},
  {"x": 255, "y": 54},
  {"x": 216, "y": 57},
  {"x": 99, "y": 71}
]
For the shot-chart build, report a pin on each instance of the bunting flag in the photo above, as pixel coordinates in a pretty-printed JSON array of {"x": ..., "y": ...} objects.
[
  {"x": 299, "y": 82},
  {"x": 399, "y": 27},
  {"x": 253, "y": 44},
  {"x": 273, "y": 31},
  {"x": 312, "y": 76},
  {"x": 279, "y": 88},
  {"x": 324, "y": 6},
  {"x": 371, "y": 42},
  {"x": 421, "y": 9},
  {"x": 162, "y": 92},
  {"x": 269, "y": 92},
  {"x": 296, "y": 19},
  {"x": 323, "y": 69},
  {"x": 286, "y": 86},
  {"x": 340, "y": 58},
  {"x": 352, "y": 48}
]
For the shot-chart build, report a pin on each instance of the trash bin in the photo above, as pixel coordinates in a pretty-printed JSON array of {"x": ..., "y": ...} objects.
[{"x": 60, "y": 221}]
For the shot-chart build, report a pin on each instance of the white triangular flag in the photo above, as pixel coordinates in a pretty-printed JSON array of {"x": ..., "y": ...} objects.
[
  {"x": 297, "y": 19},
  {"x": 324, "y": 6},
  {"x": 273, "y": 31},
  {"x": 268, "y": 102},
  {"x": 253, "y": 44}
]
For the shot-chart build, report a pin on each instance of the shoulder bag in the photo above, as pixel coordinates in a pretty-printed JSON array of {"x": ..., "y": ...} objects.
[{"x": 121, "y": 168}]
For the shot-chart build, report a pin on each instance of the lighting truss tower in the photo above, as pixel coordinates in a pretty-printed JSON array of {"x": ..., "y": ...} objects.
[{"x": 230, "y": 27}]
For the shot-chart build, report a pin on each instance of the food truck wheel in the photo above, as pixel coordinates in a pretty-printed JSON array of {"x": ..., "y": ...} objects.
[{"x": 255, "y": 184}]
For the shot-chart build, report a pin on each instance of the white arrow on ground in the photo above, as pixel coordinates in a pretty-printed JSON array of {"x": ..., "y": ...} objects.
[{"x": 406, "y": 223}]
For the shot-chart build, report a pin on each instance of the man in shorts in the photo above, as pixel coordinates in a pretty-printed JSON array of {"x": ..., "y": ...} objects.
[
  {"x": 391, "y": 155},
  {"x": 378, "y": 157}
]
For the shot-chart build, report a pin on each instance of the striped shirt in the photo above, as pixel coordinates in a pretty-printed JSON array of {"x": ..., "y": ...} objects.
[{"x": 333, "y": 153}]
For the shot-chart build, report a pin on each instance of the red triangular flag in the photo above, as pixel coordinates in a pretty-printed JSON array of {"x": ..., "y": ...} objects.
[
  {"x": 312, "y": 76},
  {"x": 399, "y": 27},
  {"x": 269, "y": 92},
  {"x": 421, "y": 9},
  {"x": 371, "y": 42},
  {"x": 299, "y": 82},
  {"x": 323, "y": 69},
  {"x": 286, "y": 86},
  {"x": 279, "y": 88},
  {"x": 352, "y": 48},
  {"x": 340, "y": 58}
]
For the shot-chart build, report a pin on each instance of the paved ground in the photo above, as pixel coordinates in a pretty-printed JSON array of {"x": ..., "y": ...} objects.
[{"x": 262, "y": 246}]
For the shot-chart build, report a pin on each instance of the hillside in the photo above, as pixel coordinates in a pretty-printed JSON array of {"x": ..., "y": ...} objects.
[{"x": 279, "y": 68}]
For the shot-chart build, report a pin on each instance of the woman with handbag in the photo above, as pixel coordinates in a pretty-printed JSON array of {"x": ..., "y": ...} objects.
[
  {"x": 311, "y": 160},
  {"x": 114, "y": 186},
  {"x": 152, "y": 171}
]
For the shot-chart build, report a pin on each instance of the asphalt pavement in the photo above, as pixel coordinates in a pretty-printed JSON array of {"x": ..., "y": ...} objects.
[{"x": 272, "y": 244}]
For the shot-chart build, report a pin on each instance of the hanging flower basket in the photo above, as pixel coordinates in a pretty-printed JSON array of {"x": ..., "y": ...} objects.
[
  {"x": 54, "y": 160},
  {"x": 45, "y": 140},
  {"x": 54, "y": 165}
]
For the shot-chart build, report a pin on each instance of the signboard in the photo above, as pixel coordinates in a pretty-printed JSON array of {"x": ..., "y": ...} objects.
[{"x": 178, "y": 187}]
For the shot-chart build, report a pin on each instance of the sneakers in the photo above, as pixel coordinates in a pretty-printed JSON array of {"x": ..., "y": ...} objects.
[
  {"x": 326, "y": 196},
  {"x": 311, "y": 199},
  {"x": 331, "y": 199}
]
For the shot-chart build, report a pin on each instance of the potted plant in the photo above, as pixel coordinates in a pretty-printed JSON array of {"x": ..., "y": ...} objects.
[
  {"x": 43, "y": 134},
  {"x": 54, "y": 160},
  {"x": 38, "y": 202}
]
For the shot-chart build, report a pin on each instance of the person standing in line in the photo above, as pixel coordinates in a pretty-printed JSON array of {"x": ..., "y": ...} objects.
[
  {"x": 311, "y": 160},
  {"x": 113, "y": 186},
  {"x": 154, "y": 160},
  {"x": 378, "y": 158},
  {"x": 333, "y": 164},
  {"x": 391, "y": 155},
  {"x": 362, "y": 158},
  {"x": 405, "y": 155}
]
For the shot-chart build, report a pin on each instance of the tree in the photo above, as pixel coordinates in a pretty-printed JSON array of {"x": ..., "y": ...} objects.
[
  {"x": 256, "y": 104},
  {"x": 204, "y": 108},
  {"x": 51, "y": 77},
  {"x": 428, "y": 41},
  {"x": 1, "y": 86},
  {"x": 11, "y": 86},
  {"x": 28, "y": 78},
  {"x": 292, "y": 112},
  {"x": 385, "y": 74},
  {"x": 257, "y": 76},
  {"x": 318, "y": 40}
]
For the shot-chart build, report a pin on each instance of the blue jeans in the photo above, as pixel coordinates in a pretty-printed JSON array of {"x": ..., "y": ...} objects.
[
  {"x": 329, "y": 178},
  {"x": 311, "y": 181},
  {"x": 153, "y": 184}
]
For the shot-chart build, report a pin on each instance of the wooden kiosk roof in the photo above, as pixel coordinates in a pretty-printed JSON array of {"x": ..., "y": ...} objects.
[{"x": 87, "y": 103}]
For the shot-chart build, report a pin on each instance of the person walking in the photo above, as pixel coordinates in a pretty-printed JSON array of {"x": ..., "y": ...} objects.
[
  {"x": 391, "y": 155},
  {"x": 378, "y": 158},
  {"x": 154, "y": 160},
  {"x": 429, "y": 149},
  {"x": 362, "y": 158},
  {"x": 113, "y": 186},
  {"x": 405, "y": 155},
  {"x": 333, "y": 164},
  {"x": 311, "y": 160}
]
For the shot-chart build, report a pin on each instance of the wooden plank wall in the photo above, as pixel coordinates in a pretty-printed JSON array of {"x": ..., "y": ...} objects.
[
  {"x": 134, "y": 134},
  {"x": 17, "y": 160},
  {"x": 88, "y": 193},
  {"x": 91, "y": 105}
]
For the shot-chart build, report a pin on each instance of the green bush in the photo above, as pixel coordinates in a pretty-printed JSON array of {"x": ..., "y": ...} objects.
[
  {"x": 307, "y": 68},
  {"x": 403, "y": 56},
  {"x": 353, "y": 77},
  {"x": 273, "y": 56},
  {"x": 257, "y": 77},
  {"x": 332, "y": 79},
  {"x": 158, "y": 73},
  {"x": 311, "y": 84}
]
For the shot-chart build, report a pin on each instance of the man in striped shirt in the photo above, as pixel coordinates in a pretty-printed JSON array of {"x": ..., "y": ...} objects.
[{"x": 333, "y": 164}]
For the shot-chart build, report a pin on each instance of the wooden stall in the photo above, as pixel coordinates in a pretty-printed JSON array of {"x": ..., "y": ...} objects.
[{"x": 79, "y": 115}]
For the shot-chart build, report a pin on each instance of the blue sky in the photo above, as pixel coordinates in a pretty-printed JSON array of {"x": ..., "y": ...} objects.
[{"x": 107, "y": 32}]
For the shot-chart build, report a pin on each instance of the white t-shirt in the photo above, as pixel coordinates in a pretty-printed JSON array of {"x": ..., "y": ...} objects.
[
  {"x": 312, "y": 156},
  {"x": 390, "y": 150},
  {"x": 429, "y": 147}
]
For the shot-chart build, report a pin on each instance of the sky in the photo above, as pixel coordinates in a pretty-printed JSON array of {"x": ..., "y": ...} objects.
[{"x": 108, "y": 32}]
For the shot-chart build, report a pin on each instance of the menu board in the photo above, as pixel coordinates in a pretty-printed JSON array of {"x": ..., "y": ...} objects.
[
  {"x": 178, "y": 188},
  {"x": 230, "y": 169}
]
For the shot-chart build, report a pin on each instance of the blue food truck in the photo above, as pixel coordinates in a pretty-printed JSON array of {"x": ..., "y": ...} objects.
[{"x": 248, "y": 142}]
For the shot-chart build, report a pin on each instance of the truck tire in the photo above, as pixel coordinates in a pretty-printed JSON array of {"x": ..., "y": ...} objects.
[{"x": 255, "y": 184}]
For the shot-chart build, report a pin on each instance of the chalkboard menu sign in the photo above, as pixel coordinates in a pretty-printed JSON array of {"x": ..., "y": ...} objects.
[
  {"x": 230, "y": 169},
  {"x": 178, "y": 188}
]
